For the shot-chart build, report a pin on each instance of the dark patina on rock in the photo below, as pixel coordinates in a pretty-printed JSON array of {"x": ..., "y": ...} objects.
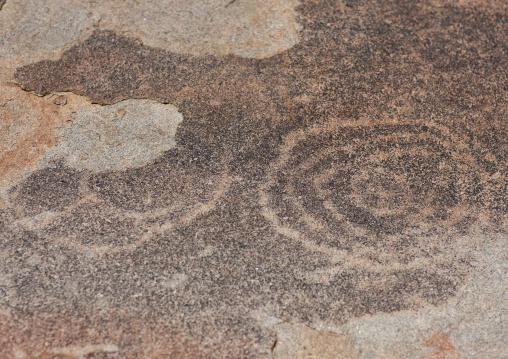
[{"x": 337, "y": 180}]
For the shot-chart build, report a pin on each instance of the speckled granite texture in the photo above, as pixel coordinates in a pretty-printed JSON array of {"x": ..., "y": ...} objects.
[{"x": 332, "y": 184}]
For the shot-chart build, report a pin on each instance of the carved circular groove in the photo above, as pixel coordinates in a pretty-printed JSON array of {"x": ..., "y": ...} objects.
[
  {"x": 73, "y": 227},
  {"x": 383, "y": 198}
]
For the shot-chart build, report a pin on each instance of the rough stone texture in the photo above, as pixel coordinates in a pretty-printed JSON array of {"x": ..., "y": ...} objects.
[
  {"x": 253, "y": 28},
  {"x": 347, "y": 197},
  {"x": 66, "y": 128},
  {"x": 31, "y": 31},
  {"x": 248, "y": 28},
  {"x": 473, "y": 324},
  {"x": 28, "y": 129},
  {"x": 127, "y": 134},
  {"x": 299, "y": 341}
]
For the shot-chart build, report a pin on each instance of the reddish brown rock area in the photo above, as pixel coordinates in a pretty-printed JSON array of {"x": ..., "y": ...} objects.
[
  {"x": 354, "y": 187},
  {"x": 442, "y": 347},
  {"x": 30, "y": 127}
]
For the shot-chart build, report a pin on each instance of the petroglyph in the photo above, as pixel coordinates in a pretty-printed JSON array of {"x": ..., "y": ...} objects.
[
  {"x": 345, "y": 181},
  {"x": 357, "y": 244},
  {"x": 383, "y": 198},
  {"x": 94, "y": 224}
]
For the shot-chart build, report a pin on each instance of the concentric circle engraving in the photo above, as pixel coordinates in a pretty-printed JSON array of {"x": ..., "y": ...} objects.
[
  {"x": 95, "y": 223},
  {"x": 382, "y": 197}
]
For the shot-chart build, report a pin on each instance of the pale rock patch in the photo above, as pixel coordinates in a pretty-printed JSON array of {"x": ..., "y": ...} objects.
[
  {"x": 475, "y": 321},
  {"x": 36, "y": 132},
  {"x": 127, "y": 134},
  {"x": 247, "y": 28},
  {"x": 30, "y": 30},
  {"x": 297, "y": 341}
]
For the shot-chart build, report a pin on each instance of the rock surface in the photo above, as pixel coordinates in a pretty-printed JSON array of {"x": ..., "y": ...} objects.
[{"x": 253, "y": 179}]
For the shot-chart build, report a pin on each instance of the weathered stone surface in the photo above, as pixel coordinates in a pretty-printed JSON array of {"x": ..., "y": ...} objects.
[
  {"x": 37, "y": 132},
  {"x": 127, "y": 134},
  {"x": 346, "y": 197},
  {"x": 29, "y": 127},
  {"x": 473, "y": 324},
  {"x": 254, "y": 28},
  {"x": 31, "y": 31},
  {"x": 299, "y": 341}
]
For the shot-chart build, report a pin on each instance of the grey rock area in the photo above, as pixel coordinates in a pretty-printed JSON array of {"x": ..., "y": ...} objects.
[
  {"x": 254, "y": 179},
  {"x": 474, "y": 320},
  {"x": 130, "y": 133},
  {"x": 246, "y": 28}
]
